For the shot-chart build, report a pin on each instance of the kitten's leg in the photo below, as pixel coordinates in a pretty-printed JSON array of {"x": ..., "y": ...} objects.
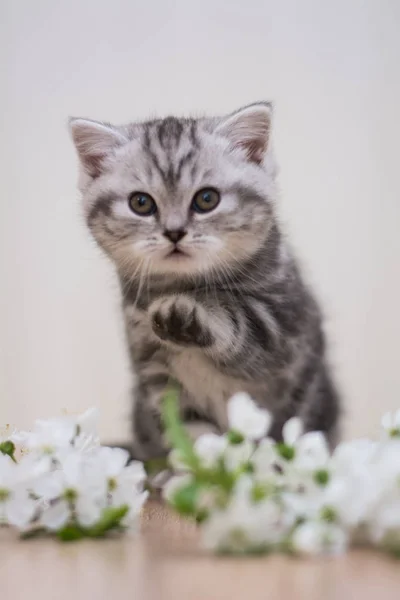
[
  {"x": 148, "y": 432},
  {"x": 148, "y": 436}
]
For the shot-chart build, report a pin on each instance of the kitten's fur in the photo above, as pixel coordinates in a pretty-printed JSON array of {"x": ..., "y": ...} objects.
[{"x": 233, "y": 313}]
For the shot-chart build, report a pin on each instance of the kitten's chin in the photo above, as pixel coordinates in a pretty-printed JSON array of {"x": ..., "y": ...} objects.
[{"x": 179, "y": 263}]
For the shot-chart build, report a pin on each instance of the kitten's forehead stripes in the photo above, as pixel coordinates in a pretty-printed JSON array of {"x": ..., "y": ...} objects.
[
  {"x": 169, "y": 132},
  {"x": 161, "y": 142}
]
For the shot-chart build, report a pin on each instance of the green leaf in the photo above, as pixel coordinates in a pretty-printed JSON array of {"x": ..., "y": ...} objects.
[
  {"x": 70, "y": 533},
  {"x": 175, "y": 431},
  {"x": 185, "y": 499},
  {"x": 111, "y": 518}
]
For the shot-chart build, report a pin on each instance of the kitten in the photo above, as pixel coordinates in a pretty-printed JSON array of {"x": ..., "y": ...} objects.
[{"x": 212, "y": 295}]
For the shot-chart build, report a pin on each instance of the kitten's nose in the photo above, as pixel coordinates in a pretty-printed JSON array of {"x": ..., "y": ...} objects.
[{"x": 175, "y": 235}]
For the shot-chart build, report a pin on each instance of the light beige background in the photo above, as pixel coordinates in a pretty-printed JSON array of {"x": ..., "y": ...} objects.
[{"x": 332, "y": 69}]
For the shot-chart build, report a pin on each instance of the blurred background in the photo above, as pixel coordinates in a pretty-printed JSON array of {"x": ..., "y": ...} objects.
[{"x": 332, "y": 70}]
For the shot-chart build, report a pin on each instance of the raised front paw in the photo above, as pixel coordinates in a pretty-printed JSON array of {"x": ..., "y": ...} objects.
[{"x": 181, "y": 320}]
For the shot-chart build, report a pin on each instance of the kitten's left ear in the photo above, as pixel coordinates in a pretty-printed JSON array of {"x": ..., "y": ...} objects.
[{"x": 249, "y": 128}]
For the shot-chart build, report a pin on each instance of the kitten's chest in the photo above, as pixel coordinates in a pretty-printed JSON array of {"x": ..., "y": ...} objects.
[{"x": 207, "y": 389}]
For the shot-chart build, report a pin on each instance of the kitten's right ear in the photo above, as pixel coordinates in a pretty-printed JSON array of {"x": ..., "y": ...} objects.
[{"x": 94, "y": 141}]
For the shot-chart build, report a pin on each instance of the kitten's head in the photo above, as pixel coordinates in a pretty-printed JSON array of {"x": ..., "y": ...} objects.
[{"x": 178, "y": 196}]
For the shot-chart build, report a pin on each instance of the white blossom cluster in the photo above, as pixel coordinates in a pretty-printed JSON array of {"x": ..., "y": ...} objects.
[
  {"x": 65, "y": 483},
  {"x": 251, "y": 494}
]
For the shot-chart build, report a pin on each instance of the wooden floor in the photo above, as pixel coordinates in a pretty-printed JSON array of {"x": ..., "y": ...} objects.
[{"x": 165, "y": 563}]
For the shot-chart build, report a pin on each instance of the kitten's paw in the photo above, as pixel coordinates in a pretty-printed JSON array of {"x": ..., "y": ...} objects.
[{"x": 181, "y": 320}]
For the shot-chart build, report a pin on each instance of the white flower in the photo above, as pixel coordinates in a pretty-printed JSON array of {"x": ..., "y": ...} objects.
[
  {"x": 66, "y": 477},
  {"x": 135, "y": 504},
  {"x": 75, "y": 490},
  {"x": 19, "y": 510},
  {"x": 87, "y": 422},
  {"x": 16, "y": 506},
  {"x": 47, "y": 436},
  {"x": 86, "y": 437},
  {"x": 85, "y": 484},
  {"x": 238, "y": 455},
  {"x": 347, "y": 498},
  {"x": 385, "y": 520},
  {"x": 310, "y": 463},
  {"x": 353, "y": 456},
  {"x": 209, "y": 447},
  {"x": 246, "y": 525},
  {"x": 124, "y": 483},
  {"x": 246, "y": 418},
  {"x": 312, "y": 452},
  {"x": 86, "y": 511},
  {"x": 316, "y": 537},
  {"x": 51, "y": 435},
  {"x": 350, "y": 498},
  {"x": 391, "y": 423}
]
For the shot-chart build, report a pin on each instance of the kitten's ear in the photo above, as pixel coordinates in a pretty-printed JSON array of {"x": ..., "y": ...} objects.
[
  {"x": 94, "y": 141},
  {"x": 249, "y": 128}
]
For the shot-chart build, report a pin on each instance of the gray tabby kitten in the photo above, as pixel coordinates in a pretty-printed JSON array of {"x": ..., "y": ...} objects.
[{"x": 212, "y": 295}]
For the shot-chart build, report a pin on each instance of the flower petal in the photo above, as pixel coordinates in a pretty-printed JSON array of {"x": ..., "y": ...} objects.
[
  {"x": 312, "y": 451},
  {"x": 292, "y": 430},
  {"x": 135, "y": 506},
  {"x": 209, "y": 447},
  {"x": 88, "y": 421},
  {"x": 56, "y": 516},
  {"x": 245, "y": 417},
  {"x": 387, "y": 421},
  {"x": 49, "y": 486},
  {"x": 238, "y": 455},
  {"x": 114, "y": 460},
  {"x": 87, "y": 511},
  {"x": 19, "y": 510}
]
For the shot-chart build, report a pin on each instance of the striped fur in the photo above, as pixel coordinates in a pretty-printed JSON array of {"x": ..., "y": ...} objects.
[{"x": 230, "y": 314}]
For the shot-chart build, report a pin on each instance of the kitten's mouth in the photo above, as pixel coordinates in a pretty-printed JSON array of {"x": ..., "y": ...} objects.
[{"x": 176, "y": 252}]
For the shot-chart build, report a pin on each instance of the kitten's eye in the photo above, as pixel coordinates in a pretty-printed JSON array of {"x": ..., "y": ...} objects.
[
  {"x": 142, "y": 204},
  {"x": 205, "y": 200}
]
